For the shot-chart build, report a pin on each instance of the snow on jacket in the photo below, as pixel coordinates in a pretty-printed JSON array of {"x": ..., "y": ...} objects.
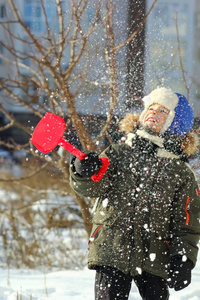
[{"x": 148, "y": 204}]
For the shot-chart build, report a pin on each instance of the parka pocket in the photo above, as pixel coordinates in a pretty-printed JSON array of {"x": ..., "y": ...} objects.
[
  {"x": 102, "y": 221},
  {"x": 160, "y": 246},
  {"x": 94, "y": 234}
]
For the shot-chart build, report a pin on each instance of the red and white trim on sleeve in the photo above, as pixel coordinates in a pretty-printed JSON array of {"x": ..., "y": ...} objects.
[
  {"x": 198, "y": 192},
  {"x": 186, "y": 211}
]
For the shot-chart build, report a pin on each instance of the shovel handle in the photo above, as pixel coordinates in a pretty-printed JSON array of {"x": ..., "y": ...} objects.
[
  {"x": 73, "y": 150},
  {"x": 76, "y": 152}
]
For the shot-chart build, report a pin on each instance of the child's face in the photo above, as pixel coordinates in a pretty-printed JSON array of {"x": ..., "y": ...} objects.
[{"x": 155, "y": 117}]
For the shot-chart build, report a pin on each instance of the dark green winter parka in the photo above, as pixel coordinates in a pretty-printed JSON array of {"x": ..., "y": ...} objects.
[{"x": 147, "y": 208}]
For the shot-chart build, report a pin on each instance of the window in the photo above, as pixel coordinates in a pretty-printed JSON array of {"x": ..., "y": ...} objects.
[
  {"x": 2, "y": 11},
  {"x": 38, "y": 12},
  {"x": 27, "y": 11},
  {"x": 33, "y": 15}
]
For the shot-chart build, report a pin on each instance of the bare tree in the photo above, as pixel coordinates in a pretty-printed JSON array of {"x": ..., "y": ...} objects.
[{"x": 56, "y": 71}]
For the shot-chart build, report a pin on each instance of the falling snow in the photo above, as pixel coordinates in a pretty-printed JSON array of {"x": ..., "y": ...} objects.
[{"x": 152, "y": 256}]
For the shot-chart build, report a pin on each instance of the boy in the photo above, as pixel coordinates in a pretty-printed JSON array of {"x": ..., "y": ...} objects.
[{"x": 146, "y": 216}]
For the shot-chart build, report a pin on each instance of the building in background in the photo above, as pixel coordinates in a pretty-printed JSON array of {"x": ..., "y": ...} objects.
[
  {"x": 32, "y": 14},
  {"x": 172, "y": 45}
]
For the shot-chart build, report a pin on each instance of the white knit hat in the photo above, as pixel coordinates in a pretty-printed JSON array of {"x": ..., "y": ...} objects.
[{"x": 180, "y": 118}]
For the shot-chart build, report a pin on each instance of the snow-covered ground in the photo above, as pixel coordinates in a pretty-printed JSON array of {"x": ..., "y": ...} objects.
[{"x": 71, "y": 285}]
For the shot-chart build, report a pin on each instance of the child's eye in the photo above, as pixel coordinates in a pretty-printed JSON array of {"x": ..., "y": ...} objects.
[{"x": 163, "y": 111}]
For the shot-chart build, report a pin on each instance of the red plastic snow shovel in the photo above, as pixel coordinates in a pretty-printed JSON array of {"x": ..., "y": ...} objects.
[{"x": 49, "y": 133}]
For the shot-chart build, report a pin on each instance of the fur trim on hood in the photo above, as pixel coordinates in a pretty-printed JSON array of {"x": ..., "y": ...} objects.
[
  {"x": 189, "y": 144},
  {"x": 129, "y": 123}
]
